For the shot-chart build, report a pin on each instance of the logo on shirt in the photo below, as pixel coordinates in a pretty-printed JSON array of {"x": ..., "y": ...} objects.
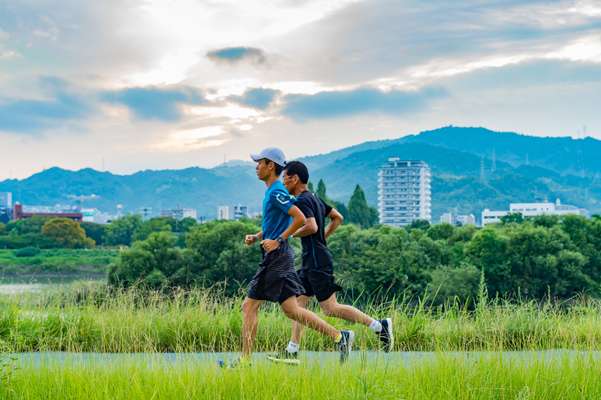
[{"x": 282, "y": 198}]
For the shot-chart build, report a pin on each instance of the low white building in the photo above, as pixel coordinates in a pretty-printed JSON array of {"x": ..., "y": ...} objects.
[
  {"x": 459, "y": 220},
  {"x": 532, "y": 210},
  {"x": 180, "y": 213}
]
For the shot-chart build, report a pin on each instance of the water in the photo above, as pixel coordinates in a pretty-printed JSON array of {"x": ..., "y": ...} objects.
[{"x": 35, "y": 284}]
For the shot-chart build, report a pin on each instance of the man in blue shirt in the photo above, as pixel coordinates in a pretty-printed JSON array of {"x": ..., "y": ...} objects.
[{"x": 276, "y": 279}]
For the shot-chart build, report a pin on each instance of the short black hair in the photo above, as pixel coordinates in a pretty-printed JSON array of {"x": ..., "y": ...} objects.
[
  {"x": 299, "y": 169},
  {"x": 278, "y": 169}
]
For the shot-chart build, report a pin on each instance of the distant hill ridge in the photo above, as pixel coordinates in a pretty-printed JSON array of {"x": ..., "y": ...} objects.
[{"x": 473, "y": 168}]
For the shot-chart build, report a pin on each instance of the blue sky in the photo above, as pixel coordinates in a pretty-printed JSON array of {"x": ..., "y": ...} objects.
[{"x": 154, "y": 84}]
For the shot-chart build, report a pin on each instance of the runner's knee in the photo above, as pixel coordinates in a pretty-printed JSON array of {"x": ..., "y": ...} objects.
[
  {"x": 290, "y": 310},
  {"x": 330, "y": 309},
  {"x": 249, "y": 306}
]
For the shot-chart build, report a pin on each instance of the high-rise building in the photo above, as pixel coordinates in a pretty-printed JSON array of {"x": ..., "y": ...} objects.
[
  {"x": 223, "y": 212},
  {"x": 6, "y": 200},
  {"x": 6, "y": 204},
  {"x": 404, "y": 192},
  {"x": 240, "y": 211}
]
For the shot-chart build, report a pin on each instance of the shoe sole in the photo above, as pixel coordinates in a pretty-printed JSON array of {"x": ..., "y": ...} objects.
[
  {"x": 283, "y": 361},
  {"x": 390, "y": 335}
]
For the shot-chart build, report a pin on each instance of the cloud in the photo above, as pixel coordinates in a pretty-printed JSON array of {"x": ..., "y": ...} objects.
[
  {"x": 372, "y": 40},
  {"x": 235, "y": 55},
  {"x": 363, "y": 100},
  {"x": 259, "y": 98},
  {"x": 35, "y": 115},
  {"x": 151, "y": 103}
]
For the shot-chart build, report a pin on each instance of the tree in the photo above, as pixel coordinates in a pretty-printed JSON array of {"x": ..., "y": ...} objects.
[
  {"x": 449, "y": 283},
  {"x": 2, "y": 229},
  {"x": 151, "y": 263},
  {"x": 122, "y": 230},
  {"x": 29, "y": 225},
  {"x": 217, "y": 253},
  {"x": 359, "y": 211},
  {"x": 321, "y": 190},
  {"x": 516, "y": 218},
  {"x": 159, "y": 224},
  {"x": 419, "y": 224},
  {"x": 66, "y": 233},
  {"x": 94, "y": 231}
]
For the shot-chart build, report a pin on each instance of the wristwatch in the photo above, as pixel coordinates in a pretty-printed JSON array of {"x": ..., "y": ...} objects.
[{"x": 281, "y": 240}]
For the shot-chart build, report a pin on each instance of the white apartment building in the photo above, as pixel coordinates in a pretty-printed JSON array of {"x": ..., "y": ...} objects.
[
  {"x": 532, "y": 210},
  {"x": 404, "y": 192}
]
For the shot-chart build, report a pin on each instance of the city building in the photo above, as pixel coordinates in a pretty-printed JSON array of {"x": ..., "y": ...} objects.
[
  {"x": 95, "y": 215},
  {"x": 19, "y": 213},
  {"x": 404, "y": 192},
  {"x": 6, "y": 200},
  {"x": 6, "y": 205},
  {"x": 465, "y": 219},
  {"x": 447, "y": 218},
  {"x": 240, "y": 211},
  {"x": 532, "y": 210},
  {"x": 180, "y": 213},
  {"x": 223, "y": 212},
  {"x": 458, "y": 220}
]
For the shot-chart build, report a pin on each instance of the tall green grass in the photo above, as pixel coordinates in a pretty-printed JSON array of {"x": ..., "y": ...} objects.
[
  {"x": 91, "y": 318},
  {"x": 446, "y": 377}
]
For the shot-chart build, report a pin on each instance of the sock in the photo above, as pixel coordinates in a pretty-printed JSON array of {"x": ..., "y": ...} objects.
[
  {"x": 292, "y": 347},
  {"x": 338, "y": 338},
  {"x": 376, "y": 326}
]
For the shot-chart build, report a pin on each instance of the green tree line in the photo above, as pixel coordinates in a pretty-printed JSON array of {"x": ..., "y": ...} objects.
[{"x": 536, "y": 258}]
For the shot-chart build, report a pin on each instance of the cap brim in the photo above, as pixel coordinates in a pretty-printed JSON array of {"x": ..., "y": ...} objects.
[{"x": 256, "y": 157}]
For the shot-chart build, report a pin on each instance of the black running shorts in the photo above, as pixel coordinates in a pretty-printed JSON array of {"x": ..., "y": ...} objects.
[{"x": 276, "y": 280}]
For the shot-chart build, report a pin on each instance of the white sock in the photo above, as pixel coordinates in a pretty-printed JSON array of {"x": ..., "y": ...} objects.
[
  {"x": 292, "y": 347},
  {"x": 375, "y": 326}
]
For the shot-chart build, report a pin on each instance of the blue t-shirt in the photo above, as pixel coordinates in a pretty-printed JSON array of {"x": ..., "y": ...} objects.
[{"x": 276, "y": 204}]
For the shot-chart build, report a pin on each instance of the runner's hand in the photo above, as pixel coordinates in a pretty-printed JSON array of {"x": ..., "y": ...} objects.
[
  {"x": 270, "y": 245},
  {"x": 250, "y": 239}
]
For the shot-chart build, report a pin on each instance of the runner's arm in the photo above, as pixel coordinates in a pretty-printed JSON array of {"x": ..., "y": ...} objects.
[
  {"x": 298, "y": 220},
  {"x": 308, "y": 229},
  {"x": 250, "y": 239},
  {"x": 336, "y": 220}
]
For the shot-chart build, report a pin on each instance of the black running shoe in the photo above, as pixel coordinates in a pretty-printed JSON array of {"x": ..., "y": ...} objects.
[
  {"x": 345, "y": 346},
  {"x": 385, "y": 335},
  {"x": 284, "y": 357}
]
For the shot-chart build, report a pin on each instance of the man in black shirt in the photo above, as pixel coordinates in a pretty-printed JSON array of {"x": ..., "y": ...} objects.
[{"x": 317, "y": 272}]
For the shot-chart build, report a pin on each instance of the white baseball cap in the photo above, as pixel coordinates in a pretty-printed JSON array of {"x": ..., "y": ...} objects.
[{"x": 272, "y": 154}]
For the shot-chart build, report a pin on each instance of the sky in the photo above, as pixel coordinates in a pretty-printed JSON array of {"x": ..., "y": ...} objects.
[{"x": 128, "y": 85}]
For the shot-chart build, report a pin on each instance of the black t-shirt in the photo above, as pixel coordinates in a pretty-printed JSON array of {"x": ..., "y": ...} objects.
[{"x": 315, "y": 250}]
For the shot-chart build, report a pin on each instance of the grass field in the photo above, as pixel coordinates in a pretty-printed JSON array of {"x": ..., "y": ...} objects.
[
  {"x": 56, "y": 261},
  {"x": 445, "y": 377},
  {"x": 88, "y": 318}
]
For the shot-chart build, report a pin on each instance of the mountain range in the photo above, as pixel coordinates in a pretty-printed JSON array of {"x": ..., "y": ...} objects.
[{"x": 472, "y": 169}]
